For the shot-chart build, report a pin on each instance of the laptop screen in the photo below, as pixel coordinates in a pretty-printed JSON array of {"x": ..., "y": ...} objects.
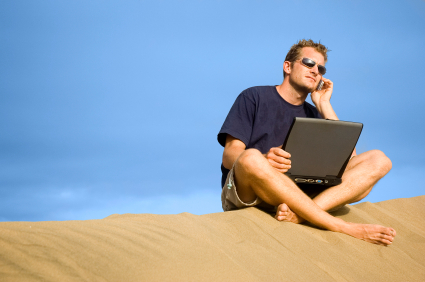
[{"x": 321, "y": 147}]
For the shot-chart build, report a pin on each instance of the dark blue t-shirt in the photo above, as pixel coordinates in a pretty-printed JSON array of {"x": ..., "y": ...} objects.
[{"x": 261, "y": 119}]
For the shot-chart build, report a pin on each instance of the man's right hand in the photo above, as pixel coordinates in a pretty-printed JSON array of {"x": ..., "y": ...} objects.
[{"x": 279, "y": 159}]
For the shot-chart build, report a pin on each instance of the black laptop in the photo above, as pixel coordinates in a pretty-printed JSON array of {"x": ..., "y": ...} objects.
[{"x": 320, "y": 149}]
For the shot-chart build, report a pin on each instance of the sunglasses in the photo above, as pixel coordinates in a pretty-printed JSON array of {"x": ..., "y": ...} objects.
[{"x": 310, "y": 64}]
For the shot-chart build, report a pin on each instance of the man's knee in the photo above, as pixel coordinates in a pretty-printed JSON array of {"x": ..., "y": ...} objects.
[
  {"x": 250, "y": 161},
  {"x": 380, "y": 163}
]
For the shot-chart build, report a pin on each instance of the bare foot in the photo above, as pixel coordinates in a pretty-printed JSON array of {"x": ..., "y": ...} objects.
[
  {"x": 372, "y": 233},
  {"x": 284, "y": 213}
]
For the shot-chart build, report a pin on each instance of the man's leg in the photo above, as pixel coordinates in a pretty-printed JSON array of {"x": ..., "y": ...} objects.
[
  {"x": 254, "y": 176},
  {"x": 361, "y": 174}
]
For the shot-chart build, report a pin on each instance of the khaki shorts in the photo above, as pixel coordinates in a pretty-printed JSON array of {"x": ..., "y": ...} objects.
[{"x": 231, "y": 201}]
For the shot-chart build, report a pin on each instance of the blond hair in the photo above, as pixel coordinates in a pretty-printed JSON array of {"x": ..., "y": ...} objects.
[{"x": 295, "y": 52}]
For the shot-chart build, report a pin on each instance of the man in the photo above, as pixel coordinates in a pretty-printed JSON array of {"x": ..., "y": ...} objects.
[{"x": 254, "y": 164}]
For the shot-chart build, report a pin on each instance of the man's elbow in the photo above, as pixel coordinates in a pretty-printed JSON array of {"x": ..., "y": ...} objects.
[
  {"x": 232, "y": 150},
  {"x": 227, "y": 160},
  {"x": 230, "y": 155}
]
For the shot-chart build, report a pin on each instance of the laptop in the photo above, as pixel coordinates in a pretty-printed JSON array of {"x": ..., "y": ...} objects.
[{"x": 320, "y": 149}]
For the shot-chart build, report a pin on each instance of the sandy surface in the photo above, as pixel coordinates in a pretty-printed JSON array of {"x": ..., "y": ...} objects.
[{"x": 244, "y": 245}]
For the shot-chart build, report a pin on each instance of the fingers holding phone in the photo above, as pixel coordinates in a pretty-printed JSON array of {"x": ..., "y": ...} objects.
[
  {"x": 324, "y": 84},
  {"x": 321, "y": 99},
  {"x": 324, "y": 93}
]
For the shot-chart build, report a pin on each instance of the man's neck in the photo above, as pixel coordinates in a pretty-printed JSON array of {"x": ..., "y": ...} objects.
[{"x": 290, "y": 94}]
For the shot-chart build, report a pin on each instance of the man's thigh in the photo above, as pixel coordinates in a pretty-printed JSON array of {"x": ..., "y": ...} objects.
[
  {"x": 248, "y": 168},
  {"x": 231, "y": 200},
  {"x": 373, "y": 159}
]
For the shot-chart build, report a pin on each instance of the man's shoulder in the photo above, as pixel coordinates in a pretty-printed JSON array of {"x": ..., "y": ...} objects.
[
  {"x": 257, "y": 92},
  {"x": 260, "y": 89}
]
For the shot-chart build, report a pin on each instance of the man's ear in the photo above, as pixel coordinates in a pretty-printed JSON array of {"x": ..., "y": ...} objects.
[{"x": 287, "y": 67}]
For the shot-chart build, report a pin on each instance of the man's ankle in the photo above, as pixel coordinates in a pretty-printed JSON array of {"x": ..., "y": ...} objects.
[{"x": 340, "y": 226}]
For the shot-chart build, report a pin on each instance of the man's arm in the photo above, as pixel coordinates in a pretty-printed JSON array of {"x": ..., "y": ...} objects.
[
  {"x": 322, "y": 101},
  {"x": 232, "y": 150},
  {"x": 278, "y": 158}
]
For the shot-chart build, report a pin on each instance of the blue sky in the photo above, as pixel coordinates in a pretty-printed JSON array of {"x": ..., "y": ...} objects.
[{"x": 114, "y": 106}]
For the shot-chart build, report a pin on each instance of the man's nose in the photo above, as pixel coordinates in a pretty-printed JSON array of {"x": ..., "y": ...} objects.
[{"x": 315, "y": 69}]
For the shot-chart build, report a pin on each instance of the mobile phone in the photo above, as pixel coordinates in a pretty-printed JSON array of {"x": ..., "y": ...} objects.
[{"x": 319, "y": 87}]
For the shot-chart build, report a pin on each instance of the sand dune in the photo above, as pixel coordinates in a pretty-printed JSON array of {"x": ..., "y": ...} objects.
[{"x": 244, "y": 245}]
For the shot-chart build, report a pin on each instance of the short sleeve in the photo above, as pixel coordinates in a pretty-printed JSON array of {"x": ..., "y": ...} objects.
[{"x": 240, "y": 120}]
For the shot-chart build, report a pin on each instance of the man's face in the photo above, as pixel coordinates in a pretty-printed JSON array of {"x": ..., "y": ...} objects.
[{"x": 303, "y": 78}]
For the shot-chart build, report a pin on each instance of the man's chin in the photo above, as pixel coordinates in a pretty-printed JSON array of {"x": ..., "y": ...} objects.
[
  {"x": 310, "y": 89},
  {"x": 306, "y": 89}
]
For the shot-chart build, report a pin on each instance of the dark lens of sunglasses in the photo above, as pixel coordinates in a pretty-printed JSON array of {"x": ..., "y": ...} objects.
[
  {"x": 322, "y": 69},
  {"x": 308, "y": 62}
]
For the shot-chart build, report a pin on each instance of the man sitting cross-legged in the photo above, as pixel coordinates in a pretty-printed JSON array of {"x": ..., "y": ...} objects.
[{"x": 254, "y": 164}]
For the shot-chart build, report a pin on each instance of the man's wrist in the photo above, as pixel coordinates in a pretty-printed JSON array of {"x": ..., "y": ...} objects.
[
  {"x": 326, "y": 111},
  {"x": 324, "y": 104}
]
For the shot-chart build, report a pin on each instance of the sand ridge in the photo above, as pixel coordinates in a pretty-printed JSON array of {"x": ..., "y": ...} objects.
[{"x": 243, "y": 245}]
